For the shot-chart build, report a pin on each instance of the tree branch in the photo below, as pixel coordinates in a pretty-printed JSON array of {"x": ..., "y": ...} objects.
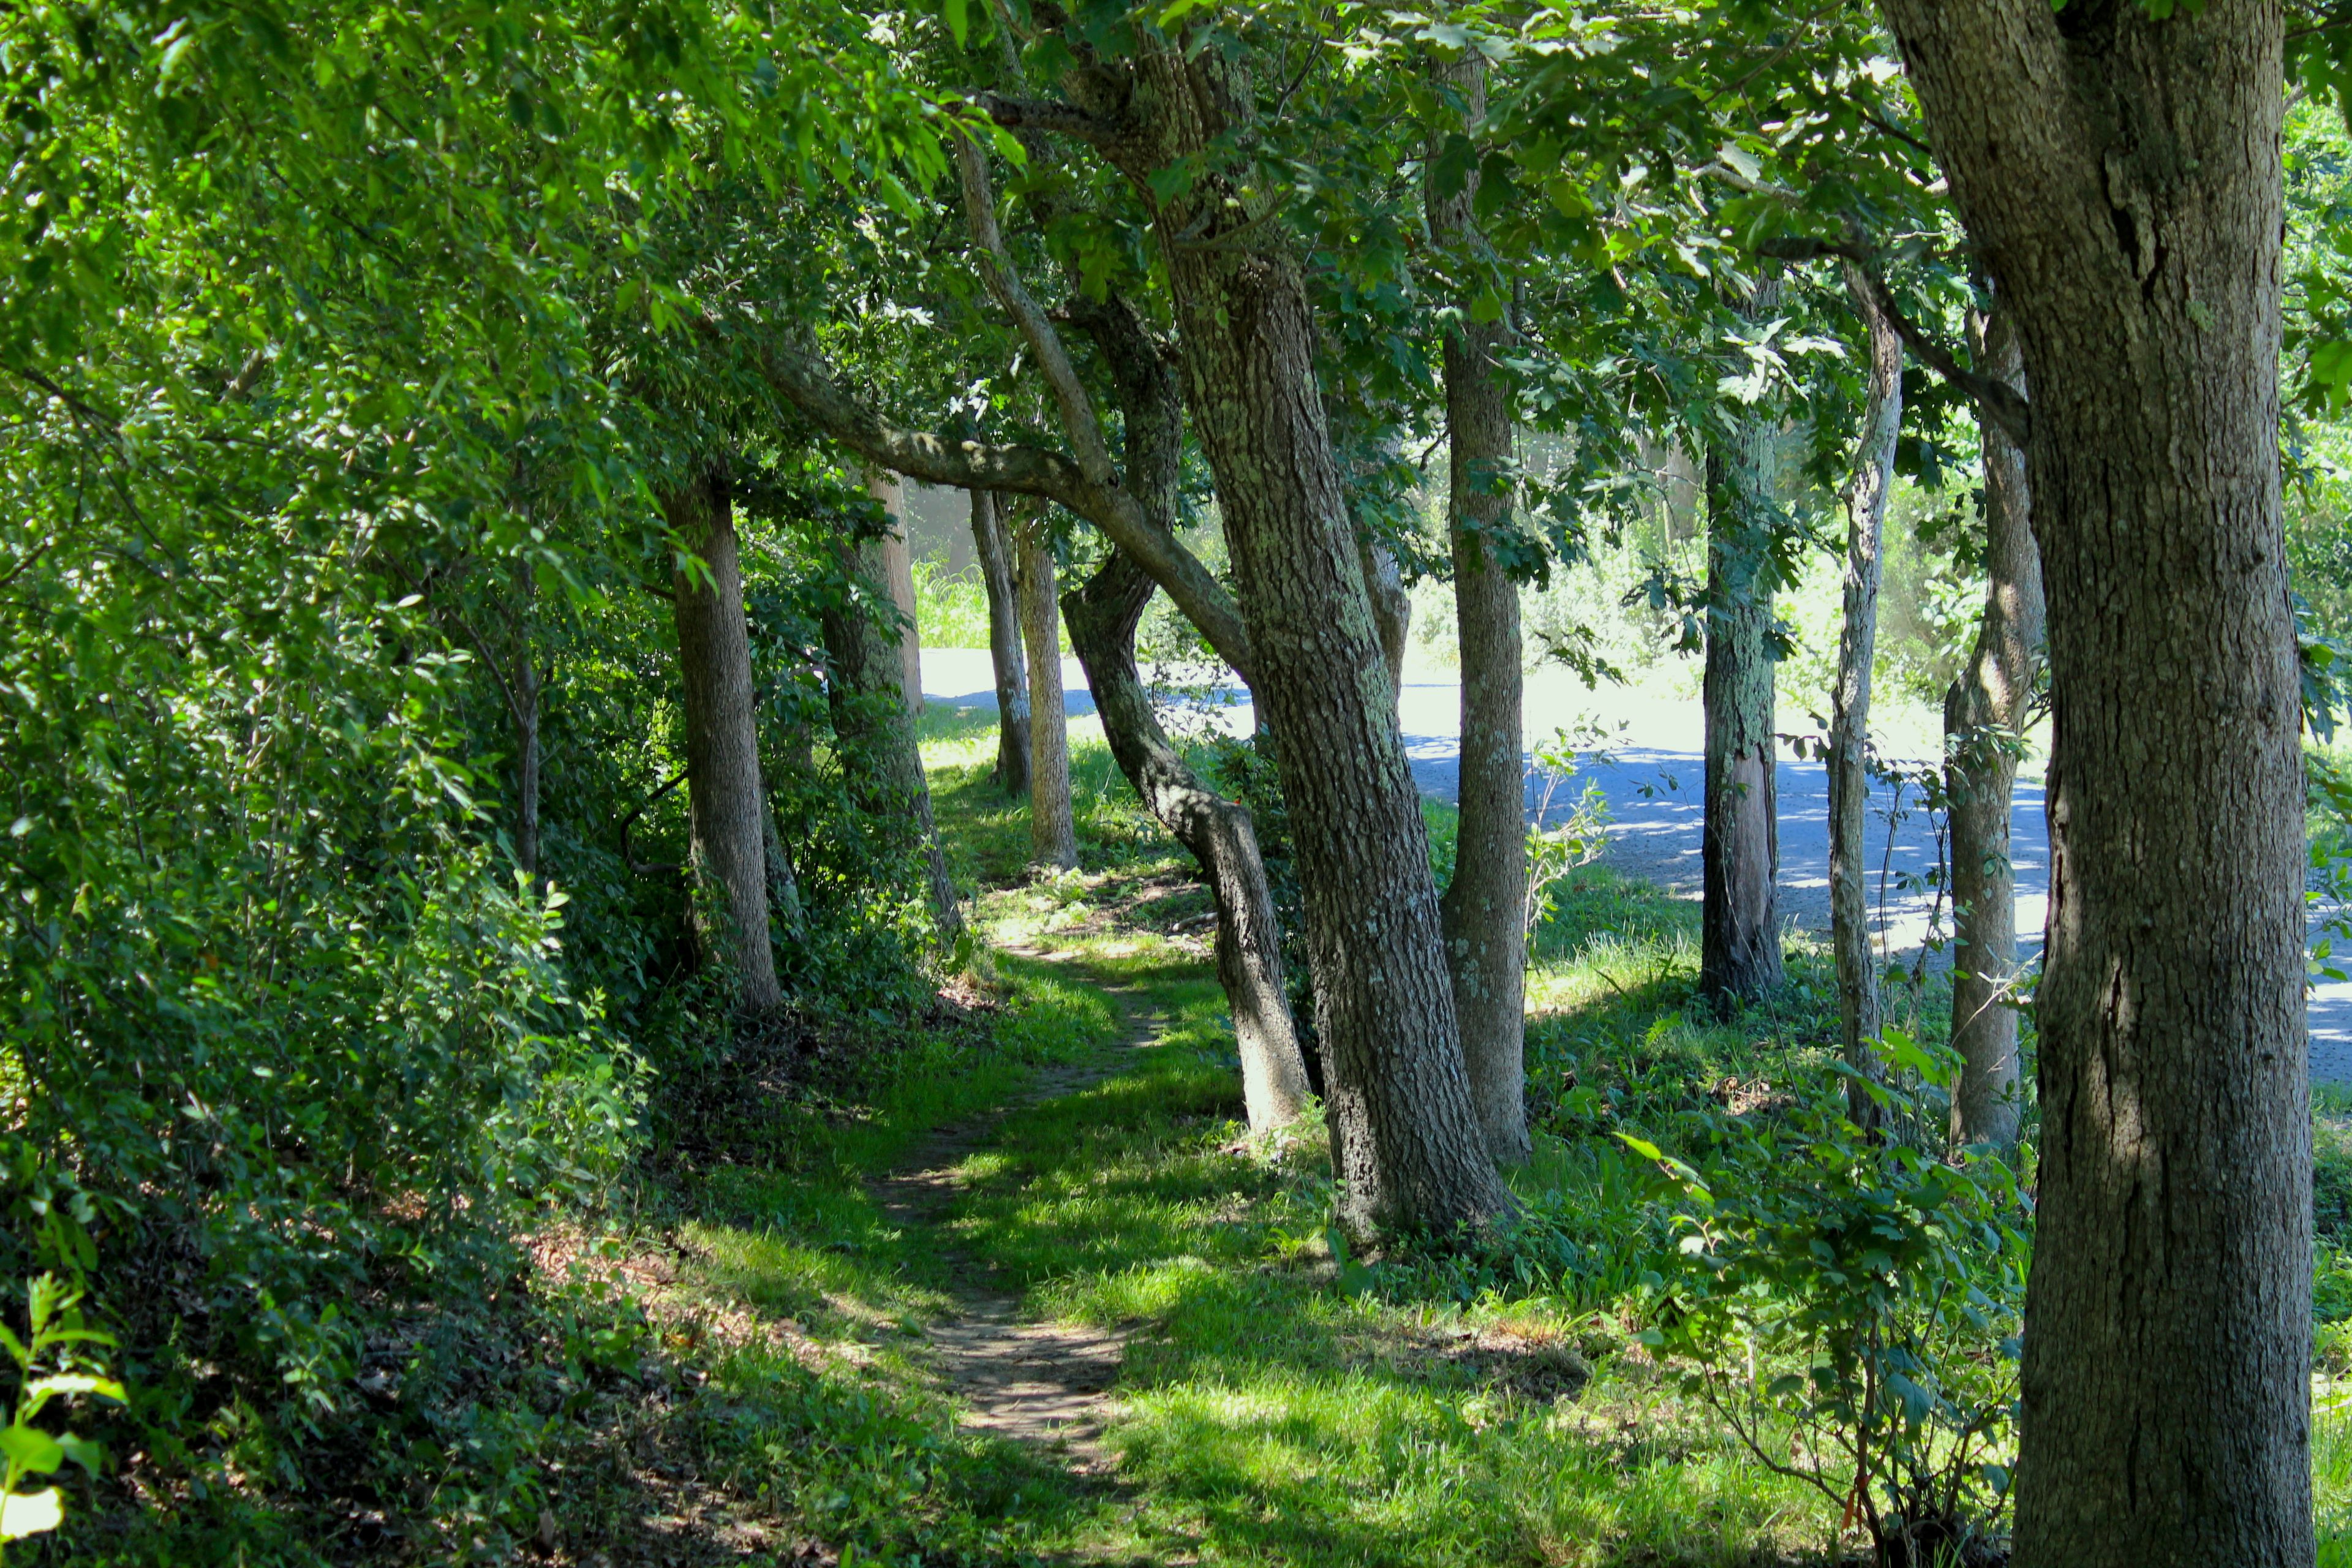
[
  {"x": 1045, "y": 114},
  {"x": 2006, "y": 405},
  {"x": 808, "y": 385},
  {"x": 995, "y": 263}
]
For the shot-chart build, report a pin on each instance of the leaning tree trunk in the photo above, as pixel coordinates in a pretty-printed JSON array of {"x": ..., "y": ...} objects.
[
  {"x": 897, "y": 573},
  {"x": 1053, "y": 829},
  {"x": 1849, "y": 760},
  {"x": 1219, "y": 834},
  {"x": 1412, "y": 1155},
  {"x": 726, "y": 806},
  {"x": 992, "y": 542},
  {"x": 1984, "y": 730},
  {"x": 1484, "y": 906},
  {"x": 875, "y": 735},
  {"x": 1739, "y": 936},
  {"x": 2120, "y": 177}
]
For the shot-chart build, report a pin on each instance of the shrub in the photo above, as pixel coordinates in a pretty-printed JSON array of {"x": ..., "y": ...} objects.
[{"x": 1851, "y": 1309}]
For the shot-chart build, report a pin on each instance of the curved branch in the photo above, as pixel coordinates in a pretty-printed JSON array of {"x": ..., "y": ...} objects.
[
  {"x": 808, "y": 384},
  {"x": 2006, "y": 405},
  {"x": 1045, "y": 114},
  {"x": 629, "y": 856},
  {"x": 995, "y": 263}
]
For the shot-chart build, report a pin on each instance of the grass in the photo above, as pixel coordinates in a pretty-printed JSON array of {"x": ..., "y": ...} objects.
[{"x": 1280, "y": 1401}]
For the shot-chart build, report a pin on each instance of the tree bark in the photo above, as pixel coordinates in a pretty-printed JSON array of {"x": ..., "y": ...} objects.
[
  {"x": 1985, "y": 713},
  {"x": 726, "y": 805},
  {"x": 1411, "y": 1153},
  {"x": 1391, "y": 607},
  {"x": 1484, "y": 907},
  {"x": 1849, "y": 759},
  {"x": 1740, "y": 935},
  {"x": 2120, "y": 177},
  {"x": 880, "y": 759},
  {"x": 897, "y": 563},
  {"x": 994, "y": 548},
  {"x": 1219, "y": 834},
  {"x": 524, "y": 710},
  {"x": 1053, "y": 829}
]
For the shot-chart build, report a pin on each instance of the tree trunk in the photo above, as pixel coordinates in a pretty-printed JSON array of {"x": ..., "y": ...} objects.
[
  {"x": 1984, "y": 730},
  {"x": 897, "y": 563},
  {"x": 2120, "y": 176},
  {"x": 1391, "y": 606},
  {"x": 525, "y": 691},
  {"x": 1411, "y": 1153},
  {"x": 874, "y": 734},
  {"x": 1484, "y": 907},
  {"x": 1053, "y": 831},
  {"x": 1849, "y": 760},
  {"x": 994, "y": 549},
  {"x": 1740, "y": 935},
  {"x": 726, "y": 806},
  {"x": 1219, "y": 834}
]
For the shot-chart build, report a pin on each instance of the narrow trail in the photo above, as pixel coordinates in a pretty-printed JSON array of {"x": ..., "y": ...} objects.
[{"x": 1038, "y": 1382}]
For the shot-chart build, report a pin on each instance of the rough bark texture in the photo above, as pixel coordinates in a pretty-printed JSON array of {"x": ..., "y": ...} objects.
[
  {"x": 1484, "y": 907},
  {"x": 1053, "y": 830},
  {"x": 874, "y": 732},
  {"x": 1985, "y": 713},
  {"x": 899, "y": 576},
  {"x": 1411, "y": 1153},
  {"x": 992, "y": 542},
  {"x": 1391, "y": 606},
  {"x": 1740, "y": 926},
  {"x": 726, "y": 806},
  {"x": 1220, "y": 833},
  {"x": 2120, "y": 178},
  {"x": 1848, "y": 763}
]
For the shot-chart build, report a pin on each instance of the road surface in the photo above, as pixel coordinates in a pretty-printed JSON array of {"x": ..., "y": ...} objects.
[{"x": 1651, "y": 773}]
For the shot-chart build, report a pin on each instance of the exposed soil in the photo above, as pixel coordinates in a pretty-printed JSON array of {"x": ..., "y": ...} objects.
[{"x": 1044, "y": 1382}]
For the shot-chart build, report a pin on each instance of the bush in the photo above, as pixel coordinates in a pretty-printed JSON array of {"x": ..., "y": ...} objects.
[{"x": 1852, "y": 1309}]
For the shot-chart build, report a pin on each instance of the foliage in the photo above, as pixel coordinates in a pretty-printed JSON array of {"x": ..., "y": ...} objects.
[
  {"x": 1556, "y": 848},
  {"x": 55, "y": 1359},
  {"x": 1852, "y": 1309}
]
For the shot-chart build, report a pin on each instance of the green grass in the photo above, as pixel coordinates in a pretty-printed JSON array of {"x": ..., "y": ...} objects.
[{"x": 1278, "y": 1403}]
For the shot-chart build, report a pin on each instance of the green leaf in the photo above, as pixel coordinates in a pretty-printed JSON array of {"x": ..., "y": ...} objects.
[
  {"x": 2331, "y": 361},
  {"x": 1642, "y": 1146},
  {"x": 30, "y": 1448},
  {"x": 959, "y": 23}
]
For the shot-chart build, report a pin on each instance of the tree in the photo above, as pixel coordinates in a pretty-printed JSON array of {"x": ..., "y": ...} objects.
[
  {"x": 2119, "y": 171},
  {"x": 994, "y": 549},
  {"x": 880, "y": 757},
  {"x": 1985, "y": 714},
  {"x": 897, "y": 567},
  {"x": 1739, "y": 936},
  {"x": 1053, "y": 831},
  {"x": 1412, "y": 1153},
  {"x": 1484, "y": 907},
  {"x": 1849, "y": 738},
  {"x": 727, "y": 807}
]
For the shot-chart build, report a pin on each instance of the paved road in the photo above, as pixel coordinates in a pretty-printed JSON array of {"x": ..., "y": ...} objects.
[{"x": 1651, "y": 778}]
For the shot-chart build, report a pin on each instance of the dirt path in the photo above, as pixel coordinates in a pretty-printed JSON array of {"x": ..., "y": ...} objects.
[{"x": 1044, "y": 1382}]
